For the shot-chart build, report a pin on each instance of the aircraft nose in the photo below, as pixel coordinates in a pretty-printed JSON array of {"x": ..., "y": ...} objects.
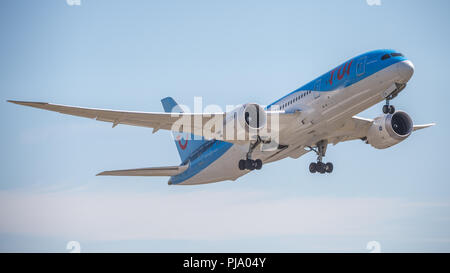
[{"x": 406, "y": 70}]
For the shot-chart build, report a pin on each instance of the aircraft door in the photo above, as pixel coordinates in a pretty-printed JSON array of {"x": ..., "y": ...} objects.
[
  {"x": 317, "y": 89},
  {"x": 361, "y": 66}
]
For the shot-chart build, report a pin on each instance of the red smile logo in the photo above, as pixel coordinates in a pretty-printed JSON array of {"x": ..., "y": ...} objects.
[{"x": 182, "y": 146}]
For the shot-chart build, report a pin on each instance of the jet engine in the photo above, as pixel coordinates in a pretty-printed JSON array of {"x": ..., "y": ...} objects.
[
  {"x": 390, "y": 129},
  {"x": 245, "y": 122}
]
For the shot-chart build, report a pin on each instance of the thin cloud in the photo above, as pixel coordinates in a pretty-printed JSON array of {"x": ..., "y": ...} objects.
[{"x": 192, "y": 216}]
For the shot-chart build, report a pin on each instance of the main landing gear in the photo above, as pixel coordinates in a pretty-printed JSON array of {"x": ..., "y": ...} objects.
[
  {"x": 249, "y": 163},
  {"x": 319, "y": 166}
]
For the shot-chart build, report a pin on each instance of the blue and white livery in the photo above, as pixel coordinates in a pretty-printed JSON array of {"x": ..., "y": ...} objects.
[{"x": 319, "y": 113}]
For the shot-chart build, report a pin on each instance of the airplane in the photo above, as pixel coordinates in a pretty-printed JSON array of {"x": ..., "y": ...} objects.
[{"x": 309, "y": 118}]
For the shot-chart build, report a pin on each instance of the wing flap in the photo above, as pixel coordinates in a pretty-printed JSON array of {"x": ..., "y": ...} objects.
[{"x": 155, "y": 171}]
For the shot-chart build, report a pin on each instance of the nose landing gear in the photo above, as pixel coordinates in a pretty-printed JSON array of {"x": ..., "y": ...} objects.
[
  {"x": 319, "y": 166},
  {"x": 396, "y": 89},
  {"x": 388, "y": 108}
]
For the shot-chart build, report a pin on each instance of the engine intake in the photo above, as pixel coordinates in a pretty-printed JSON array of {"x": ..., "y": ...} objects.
[
  {"x": 245, "y": 122},
  {"x": 388, "y": 130},
  {"x": 399, "y": 124},
  {"x": 254, "y": 116}
]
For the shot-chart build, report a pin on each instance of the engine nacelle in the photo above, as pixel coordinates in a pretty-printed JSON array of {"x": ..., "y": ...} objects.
[
  {"x": 245, "y": 122},
  {"x": 388, "y": 130}
]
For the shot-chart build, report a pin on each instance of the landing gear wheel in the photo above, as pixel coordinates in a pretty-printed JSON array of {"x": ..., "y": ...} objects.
[
  {"x": 391, "y": 109},
  {"x": 385, "y": 109},
  {"x": 249, "y": 164},
  {"x": 320, "y": 167},
  {"x": 241, "y": 164},
  {"x": 258, "y": 164},
  {"x": 320, "y": 150}
]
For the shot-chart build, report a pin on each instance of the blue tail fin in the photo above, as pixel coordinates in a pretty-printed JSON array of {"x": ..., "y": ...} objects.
[{"x": 185, "y": 142}]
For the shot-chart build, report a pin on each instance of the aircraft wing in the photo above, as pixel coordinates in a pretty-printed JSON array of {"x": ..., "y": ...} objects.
[
  {"x": 156, "y": 171},
  {"x": 155, "y": 120},
  {"x": 143, "y": 119},
  {"x": 357, "y": 127},
  {"x": 423, "y": 126}
]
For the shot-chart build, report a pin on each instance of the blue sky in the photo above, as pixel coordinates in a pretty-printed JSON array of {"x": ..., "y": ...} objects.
[{"x": 130, "y": 54}]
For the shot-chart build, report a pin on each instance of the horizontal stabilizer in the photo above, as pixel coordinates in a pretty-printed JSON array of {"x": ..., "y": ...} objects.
[{"x": 156, "y": 171}]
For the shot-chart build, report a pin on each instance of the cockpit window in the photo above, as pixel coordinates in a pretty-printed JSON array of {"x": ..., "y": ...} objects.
[
  {"x": 397, "y": 55},
  {"x": 385, "y": 57}
]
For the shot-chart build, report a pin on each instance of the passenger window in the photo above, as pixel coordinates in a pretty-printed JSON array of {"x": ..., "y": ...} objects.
[{"x": 397, "y": 55}]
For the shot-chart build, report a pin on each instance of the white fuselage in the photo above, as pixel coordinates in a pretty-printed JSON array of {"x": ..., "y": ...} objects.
[{"x": 324, "y": 112}]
